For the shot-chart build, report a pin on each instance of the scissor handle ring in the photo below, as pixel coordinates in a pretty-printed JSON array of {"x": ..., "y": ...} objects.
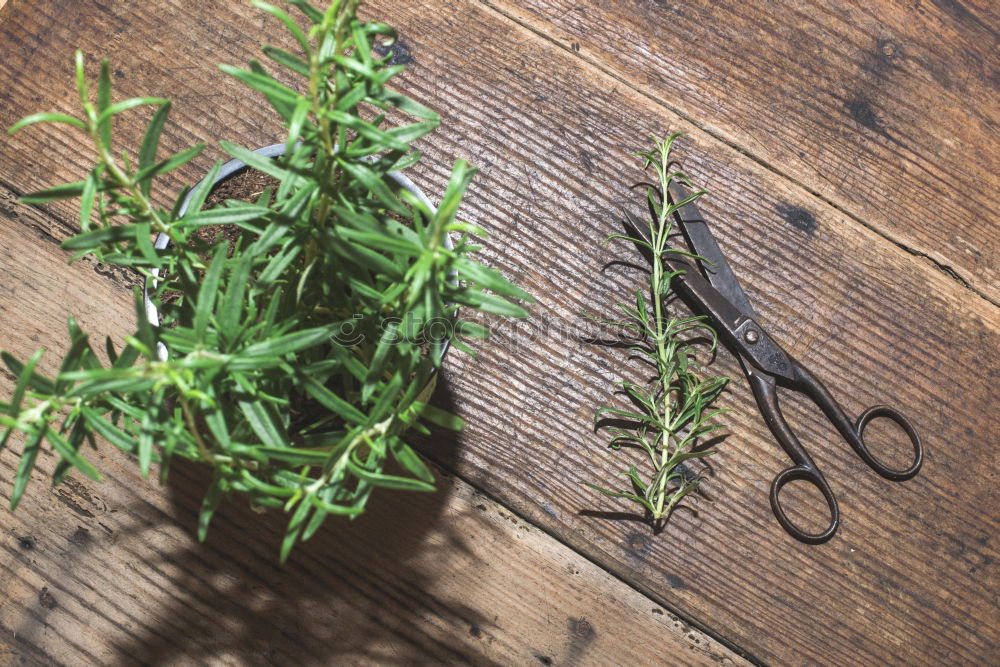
[
  {"x": 813, "y": 476},
  {"x": 918, "y": 449}
]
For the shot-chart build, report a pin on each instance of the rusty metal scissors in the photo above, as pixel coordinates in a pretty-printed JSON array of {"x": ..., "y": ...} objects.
[{"x": 713, "y": 291}]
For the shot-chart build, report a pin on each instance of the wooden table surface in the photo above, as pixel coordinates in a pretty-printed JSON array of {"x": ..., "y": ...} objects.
[{"x": 851, "y": 150}]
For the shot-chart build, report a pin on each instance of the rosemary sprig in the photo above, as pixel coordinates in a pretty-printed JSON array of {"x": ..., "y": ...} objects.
[{"x": 670, "y": 412}]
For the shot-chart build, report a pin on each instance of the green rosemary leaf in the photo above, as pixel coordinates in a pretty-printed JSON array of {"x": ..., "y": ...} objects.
[
  {"x": 295, "y": 127},
  {"x": 332, "y": 402},
  {"x": 622, "y": 494},
  {"x": 289, "y": 60},
  {"x": 70, "y": 454},
  {"x": 231, "y": 314},
  {"x": 103, "y": 102},
  {"x": 633, "y": 475},
  {"x": 352, "y": 98},
  {"x": 24, "y": 468},
  {"x": 294, "y": 456},
  {"x": 208, "y": 506},
  {"x": 471, "y": 329},
  {"x": 46, "y": 118},
  {"x": 389, "y": 481},
  {"x": 278, "y": 264},
  {"x": 342, "y": 510},
  {"x": 87, "y": 196},
  {"x": 292, "y": 342},
  {"x": 26, "y": 377},
  {"x": 461, "y": 176},
  {"x": 379, "y": 264},
  {"x": 489, "y": 279},
  {"x": 171, "y": 163},
  {"x": 207, "y": 293},
  {"x": 279, "y": 95},
  {"x": 108, "y": 431},
  {"x": 388, "y": 396},
  {"x": 389, "y": 339},
  {"x": 265, "y": 423},
  {"x": 313, "y": 14},
  {"x": 200, "y": 192},
  {"x": 295, "y": 526},
  {"x": 256, "y": 160},
  {"x": 145, "y": 333},
  {"x": 410, "y": 460},
  {"x": 96, "y": 238},
  {"x": 280, "y": 491},
  {"x": 406, "y": 161},
  {"x": 151, "y": 140},
  {"x": 374, "y": 183},
  {"x": 79, "y": 346},
  {"x": 438, "y": 416},
  {"x": 384, "y": 242},
  {"x": 109, "y": 381},
  {"x": 125, "y": 105},
  {"x": 65, "y": 191},
  {"x": 383, "y": 139},
  {"x": 490, "y": 303}
]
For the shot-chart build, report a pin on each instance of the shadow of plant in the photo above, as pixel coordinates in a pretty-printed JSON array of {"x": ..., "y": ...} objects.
[{"x": 356, "y": 590}]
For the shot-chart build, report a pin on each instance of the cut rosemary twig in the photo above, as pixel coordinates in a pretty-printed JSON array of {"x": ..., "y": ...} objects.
[{"x": 669, "y": 412}]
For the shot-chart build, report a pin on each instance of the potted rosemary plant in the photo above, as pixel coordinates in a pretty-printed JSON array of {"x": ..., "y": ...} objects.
[{"x": 292, "y": 358}]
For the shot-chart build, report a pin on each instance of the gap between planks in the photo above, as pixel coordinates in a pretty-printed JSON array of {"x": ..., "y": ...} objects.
[{"x": 592, "y": 62}]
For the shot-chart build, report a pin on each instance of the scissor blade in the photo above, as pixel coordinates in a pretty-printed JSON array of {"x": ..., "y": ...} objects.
[
  {"x": 708, "y": 300},
  {"x": 699, "y": 236},
  {"x": 734, "y": 325}
]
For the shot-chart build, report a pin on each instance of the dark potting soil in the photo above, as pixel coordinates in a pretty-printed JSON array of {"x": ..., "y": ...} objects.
[{"x": 247, "y": 185}]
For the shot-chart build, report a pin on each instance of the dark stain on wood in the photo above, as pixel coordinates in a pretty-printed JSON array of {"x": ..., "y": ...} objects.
[
  {"x": 637, "y": 544},
  {"x": 863, "y": 113},
  {"x": 46, "y": 599},
  {"x": 581, "y": 630},
  {"x": 27, "y": 542},
  {"x": 81, "y": 537},
  {"x": 400, "y": 51},
  {"x": 674, "y": 581},
  {"x": 798, "y": 217}
]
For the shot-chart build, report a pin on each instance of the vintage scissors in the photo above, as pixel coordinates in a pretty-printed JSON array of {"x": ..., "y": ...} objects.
[{"x": 715, "y": 293}]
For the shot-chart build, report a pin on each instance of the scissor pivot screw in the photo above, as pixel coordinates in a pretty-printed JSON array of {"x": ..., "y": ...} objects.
[{"x": 750, "y": 336}]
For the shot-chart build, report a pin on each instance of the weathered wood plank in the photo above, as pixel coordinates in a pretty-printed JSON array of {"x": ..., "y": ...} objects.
[
  {"x": 109, "y": 573},
  {"x": 551, "y": 133},
  {"x": 879, "y": 326},
  {"x": 888, "y": 110}
]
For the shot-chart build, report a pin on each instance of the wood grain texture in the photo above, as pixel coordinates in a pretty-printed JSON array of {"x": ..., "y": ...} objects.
[
  {"x": 887, "y": 110},
  {"x": 912, "y": 576},
  {"x": 109, "y": 573}
]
